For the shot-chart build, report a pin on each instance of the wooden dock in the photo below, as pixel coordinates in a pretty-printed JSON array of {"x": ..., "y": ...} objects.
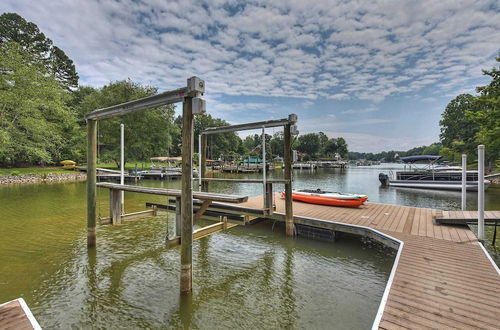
[
  {"x": 15, "y": 314},
  {"x": 465, "y": 217},
  {"x": 442, "y": 277}
]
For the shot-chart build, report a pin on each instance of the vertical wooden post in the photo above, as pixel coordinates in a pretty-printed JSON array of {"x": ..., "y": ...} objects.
[
  {"x": 177, "y": 216},
  {"x": 268, "y": 198},
  {"x": 91, "y": 181},
  {"x": 290, "y": 228},
  {"x": 203, "y": 165},
  {"x": 115, "y": 206},
  {"x": 187, "y": 197}
]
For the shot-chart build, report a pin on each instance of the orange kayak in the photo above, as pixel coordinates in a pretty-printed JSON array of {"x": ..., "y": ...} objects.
[{"x": 328, "y": 198}]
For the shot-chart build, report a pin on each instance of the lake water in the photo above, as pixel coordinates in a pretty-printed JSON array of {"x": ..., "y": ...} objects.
[{"x": 246, "y": 277}]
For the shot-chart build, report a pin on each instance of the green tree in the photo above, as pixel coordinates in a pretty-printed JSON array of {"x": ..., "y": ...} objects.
[
  {"x": 309, "y": 144},
  {"x": 217, "y": 144},
  {"x": 433, "y": 149},
  {"x": 27, "y": 34},
  {"x": 35, "y": 121},
  {"x": 457, "y": 129},
  {"x": 148, "y": 133},
  {"x": 488, "y": 117},
  {"x": 277, "y": 144}
]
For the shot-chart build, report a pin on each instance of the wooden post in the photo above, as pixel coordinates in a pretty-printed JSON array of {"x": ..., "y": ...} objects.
[
  {"x": 268, "y": 198},
  {"x": 290, "y": 228},
  {"x": 203, "y": 165},
  {"x": 187, "y": 197},
  {"x": 91, "y": 181},
  {"x": 177, "y": 216},
  {"x": 115, "y": 206}
]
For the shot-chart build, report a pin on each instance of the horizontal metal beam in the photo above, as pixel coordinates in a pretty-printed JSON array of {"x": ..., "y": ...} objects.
[
  {"x": 140, "y": 104},
  {"x": 292, "y": 119},
  {"x": 274, "y": 181}
]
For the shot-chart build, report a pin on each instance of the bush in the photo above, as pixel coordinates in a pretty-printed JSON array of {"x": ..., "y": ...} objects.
[{"x": 15, "y": 173}]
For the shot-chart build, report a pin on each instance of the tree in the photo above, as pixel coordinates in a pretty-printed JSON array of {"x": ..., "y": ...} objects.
[
  {"x": 148, "y": 133},
  {"x": 15, "y": 28},
  {"x": 457, "y": 129},
  {"x": 217, "y": 144},
  {"x": 323, "y": 140},
  {"x": 35, "y": 121},
  {"x": 276, "y": 144},
  {"x": 309, "y": 144},
  {"x": 488, "y": 117},
  {"x": 342, "y": 147}
]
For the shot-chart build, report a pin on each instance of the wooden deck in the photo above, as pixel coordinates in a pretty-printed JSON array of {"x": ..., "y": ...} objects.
[
  {"x": 15, "y": 314},
  {"x": 443, "y": 278},
  {"x": 464, "y": 217}
]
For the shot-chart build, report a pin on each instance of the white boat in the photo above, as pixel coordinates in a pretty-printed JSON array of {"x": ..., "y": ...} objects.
[{"x": 432, "y": 177}]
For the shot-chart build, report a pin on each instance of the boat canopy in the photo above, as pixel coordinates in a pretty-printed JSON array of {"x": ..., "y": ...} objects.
[{"x": 420, "y": 158}]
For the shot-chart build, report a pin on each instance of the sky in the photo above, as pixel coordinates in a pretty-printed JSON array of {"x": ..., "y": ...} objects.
[{"x": 378, "y": 73}]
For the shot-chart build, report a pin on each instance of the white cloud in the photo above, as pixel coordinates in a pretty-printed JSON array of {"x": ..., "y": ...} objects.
[{"x": 335, "y": 50}]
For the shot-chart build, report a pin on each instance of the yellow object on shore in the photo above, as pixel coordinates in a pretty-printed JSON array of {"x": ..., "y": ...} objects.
[{"x": 68, "y": 164}]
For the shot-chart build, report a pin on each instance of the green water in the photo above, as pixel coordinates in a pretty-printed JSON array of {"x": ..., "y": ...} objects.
[{"x": 246, "y": 277}]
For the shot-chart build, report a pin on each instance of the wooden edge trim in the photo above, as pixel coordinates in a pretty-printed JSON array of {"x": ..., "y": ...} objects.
[
  {"x": 29, "y": 315},
  {"x": 27, "y": 312},
  {"x": 489, "y": 258}
]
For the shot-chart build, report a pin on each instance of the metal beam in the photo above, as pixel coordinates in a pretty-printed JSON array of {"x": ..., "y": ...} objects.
[
  {"x": 169, "y": 97},
  {"x": 292, "y": 119}
]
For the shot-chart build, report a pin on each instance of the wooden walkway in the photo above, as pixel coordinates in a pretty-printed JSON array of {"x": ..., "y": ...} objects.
[
  {"x": 443, "y": 279},
  {"x": 15, "y": 314}
]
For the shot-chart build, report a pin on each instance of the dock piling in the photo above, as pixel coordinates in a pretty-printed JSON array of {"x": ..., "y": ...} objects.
[
  {"x": 290, "y": 228},
  {"x": 187, "y": 198},
  {"x": 91, "y": 181}
]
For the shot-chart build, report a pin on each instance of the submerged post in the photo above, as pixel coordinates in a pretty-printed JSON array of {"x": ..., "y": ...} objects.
[
  {"x": 91, "y": 181},
  {"x": 290, "y": 228},
  {"x": 186, "y": 198},
  {"x": 464, "y": 181},
  {"x": 480, "y": 192},
  {"x": 122, "y": 165}
]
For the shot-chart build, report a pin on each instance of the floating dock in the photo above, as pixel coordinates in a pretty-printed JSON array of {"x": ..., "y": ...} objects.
[
  {"x": 15, "y": 314},
  {"x": 465, "y": 217},
  {"x": 442, "y": 277}
]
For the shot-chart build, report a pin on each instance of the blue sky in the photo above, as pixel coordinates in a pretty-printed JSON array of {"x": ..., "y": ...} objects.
[{"x": 378, "y": 73}]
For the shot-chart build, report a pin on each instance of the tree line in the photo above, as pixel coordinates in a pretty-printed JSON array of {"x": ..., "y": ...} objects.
[{"x": 42, "y": 110}]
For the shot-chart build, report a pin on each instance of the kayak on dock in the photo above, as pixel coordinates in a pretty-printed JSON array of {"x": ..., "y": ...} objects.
[{"x": 328, "y": 198}]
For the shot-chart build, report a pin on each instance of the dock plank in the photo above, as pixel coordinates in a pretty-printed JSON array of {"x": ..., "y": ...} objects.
[
  {"x": 16, "y": 315},
  {"x": 443, "y": 279}
]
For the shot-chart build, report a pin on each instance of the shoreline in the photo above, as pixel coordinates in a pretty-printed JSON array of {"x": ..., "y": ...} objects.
[{"x": 42, "y": 178}]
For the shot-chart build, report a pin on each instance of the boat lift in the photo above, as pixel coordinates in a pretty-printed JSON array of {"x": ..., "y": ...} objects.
[
  {"x": 289, "y": 128},
  {"x": 193, "y": 104}
]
